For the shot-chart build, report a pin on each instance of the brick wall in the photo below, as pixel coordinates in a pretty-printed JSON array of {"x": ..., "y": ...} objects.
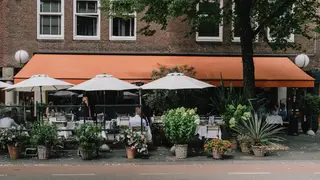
[{"x": 18, "y": 30}]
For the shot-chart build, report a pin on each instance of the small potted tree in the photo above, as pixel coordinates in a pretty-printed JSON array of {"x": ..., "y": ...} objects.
[
  {"x": 90, "y": 140},
  {"x": 180, "y": 125},
  {"x": 310, "y": 109},
  {"x": 44, "y": 136},
  {"x": 259, "y": 133},
  {"x": 244, "y": 142},
  {"x": 218, "y": 147},
  {"x": 13, "y": 138},
  {"x": 135, "y": 142}
]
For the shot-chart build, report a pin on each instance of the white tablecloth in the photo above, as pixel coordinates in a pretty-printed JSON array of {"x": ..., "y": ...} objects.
[
  {"x": 274, "y": 119},
  {"x": 203, "y": 131}
]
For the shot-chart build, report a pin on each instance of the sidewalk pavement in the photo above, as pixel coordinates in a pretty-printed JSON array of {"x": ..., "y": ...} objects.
[{"x": 302, "y": 148}]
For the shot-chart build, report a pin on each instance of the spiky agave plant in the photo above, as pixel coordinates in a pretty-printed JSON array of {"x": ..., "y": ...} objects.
[{"x": 259, "y": 132}]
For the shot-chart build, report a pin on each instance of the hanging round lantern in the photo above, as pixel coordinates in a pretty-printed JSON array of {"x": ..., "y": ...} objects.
[
  {"x": 22, "y": 56},
  {"x": 302, "y": 60}
]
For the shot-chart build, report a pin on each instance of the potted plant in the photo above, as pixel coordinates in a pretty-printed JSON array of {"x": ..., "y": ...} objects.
[
  {"x": 179, "y": 126},
  {"x": 44, "y": 136},
  {"x": 13, "y": 138},
  {"x": 310, "y": 108},
  {"x": 135, "y": 142},
  {"x": 259, "y": 133},
  {"x": 218, "y": 147},
  {"x": 244, "y": 142},
  {"x": 90, "y": 140}
]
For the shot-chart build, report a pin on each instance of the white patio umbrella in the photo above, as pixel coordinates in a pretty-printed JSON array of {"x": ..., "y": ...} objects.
[
  {"x": 39, "y": 82},
  {"x": 104, "y": 82},
  {"x": 175, "y": 81},
  {"x": 4, "y": 85}
]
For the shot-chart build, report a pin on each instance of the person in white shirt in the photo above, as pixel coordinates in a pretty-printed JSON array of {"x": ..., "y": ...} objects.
[
  {"x": 7, "y": 122},
  {"x": 136, "y": 120}
]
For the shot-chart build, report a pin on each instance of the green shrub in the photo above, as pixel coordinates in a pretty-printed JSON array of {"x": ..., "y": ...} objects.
[{"x": 180, "y": 125}]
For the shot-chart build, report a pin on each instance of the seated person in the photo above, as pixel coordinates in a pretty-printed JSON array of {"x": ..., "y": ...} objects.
[
  {"x": 7, "y": 122},
  {"x": 136, "y": 120},
  {"x": 283, "y": 111}
]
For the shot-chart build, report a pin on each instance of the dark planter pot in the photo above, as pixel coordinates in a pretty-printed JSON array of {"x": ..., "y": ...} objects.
[{"x": 311, "y": 121}]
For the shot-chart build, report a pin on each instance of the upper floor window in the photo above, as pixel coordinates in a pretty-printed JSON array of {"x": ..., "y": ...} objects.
[
  {"x": 86, "y": 20},
  {"x": 50, "y": 19},
  {"x": 123, "y": 29},
  {"x": 209, "y": 30}
]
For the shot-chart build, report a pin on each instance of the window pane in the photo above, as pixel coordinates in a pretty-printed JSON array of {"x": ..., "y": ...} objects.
[
  {"x": 208, "y": 29},
  {"x": 92, "y": 7},
  {"x": 236, "y": 27},
  {"x": 86, "y": 6},
  {"x": 50, "y": 25},
  {"x": 55, "y": 23},
  {"x": 45, "y": 25},
  {"x": 207, "y": 7},
  {"x": 50, "y": 6},
  {"x": 123, "y": 27},
  {"x": 45, "y": 6},
  {"x": 55, "y": 6},
  {"x": 87, "y": 26},
  {"x": 81, "y": 6}
]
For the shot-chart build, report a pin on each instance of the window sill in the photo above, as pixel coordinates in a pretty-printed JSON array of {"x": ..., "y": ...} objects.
[
  {"x": 123, "y": 38},
  {"x": 89, "y": 38},
  {"x": 209, "y": 39},
  {"x": 48, "y": 37}
]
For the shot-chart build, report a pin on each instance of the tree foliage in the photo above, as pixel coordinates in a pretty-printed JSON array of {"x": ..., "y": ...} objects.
[{"x": 254, "y": 18}]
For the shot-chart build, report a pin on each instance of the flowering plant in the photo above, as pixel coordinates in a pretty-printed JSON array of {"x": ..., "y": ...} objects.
[
  {"x": 135, "y": 140},
  {"x": 233, "y": 115},
  {"x": 89, "y": 136},
  {"x": 13, "y": 136},
  {"x": 180, "y": 125},
  {"x": 218, "y": 145}
]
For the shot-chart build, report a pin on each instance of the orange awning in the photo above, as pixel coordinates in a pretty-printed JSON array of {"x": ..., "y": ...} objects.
[{"x": 270, "y": 71}]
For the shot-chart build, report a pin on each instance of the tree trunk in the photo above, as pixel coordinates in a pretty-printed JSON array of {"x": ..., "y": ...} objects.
[
  {"x": 248, "y": 68},
  {"x": 243, "y": 11}
]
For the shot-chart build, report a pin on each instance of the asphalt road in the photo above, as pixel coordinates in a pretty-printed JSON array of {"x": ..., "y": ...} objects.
[{"x": 272, "y": 171}]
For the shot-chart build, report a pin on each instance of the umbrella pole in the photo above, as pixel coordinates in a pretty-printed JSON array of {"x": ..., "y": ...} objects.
[
  {"x": 40, "y": 113},
  {"x": 140, "y": 103}
]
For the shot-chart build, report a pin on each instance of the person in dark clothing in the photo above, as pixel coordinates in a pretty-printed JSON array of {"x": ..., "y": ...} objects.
[{"x": 84, "y": 110}]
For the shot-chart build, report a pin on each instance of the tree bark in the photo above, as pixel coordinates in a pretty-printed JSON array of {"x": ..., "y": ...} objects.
[{"x": 243, "y": 10}]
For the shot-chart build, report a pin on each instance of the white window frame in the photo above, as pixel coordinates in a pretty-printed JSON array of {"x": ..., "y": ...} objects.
[
  {"x": 123, "y": 38},
  {"x": 79, "y": 37},
  {"x": 39, "y": 14},
  {"x": 289, "y": 39},
  {"x": 237, "y": 39},
  {"x": 212, "y": 38}
]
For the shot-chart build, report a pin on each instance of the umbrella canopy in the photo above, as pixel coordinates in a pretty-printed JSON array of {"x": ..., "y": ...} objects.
[
  {"x": 64, "y": 93},
  {"x": 174, "y": 81},
  {"x": 40, "y": 82},
  {"x": 4, "y": 85},
  {"x": 104, "y": 82}
]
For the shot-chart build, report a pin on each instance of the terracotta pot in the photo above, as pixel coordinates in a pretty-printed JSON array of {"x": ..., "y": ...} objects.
[
  {"x": 131, "y": 153},
  {"x": 259, "y": 151},
  {"x": 216, "y": 154},
  {"x": 244, "y": 148},
  {"x": 43, "y": 152},
  {"x": 86, "y": 154},
  {"x": 181, "y": 151},
  {"x": 234, "y": 142},
  {"x": 14, "y": 151}
]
